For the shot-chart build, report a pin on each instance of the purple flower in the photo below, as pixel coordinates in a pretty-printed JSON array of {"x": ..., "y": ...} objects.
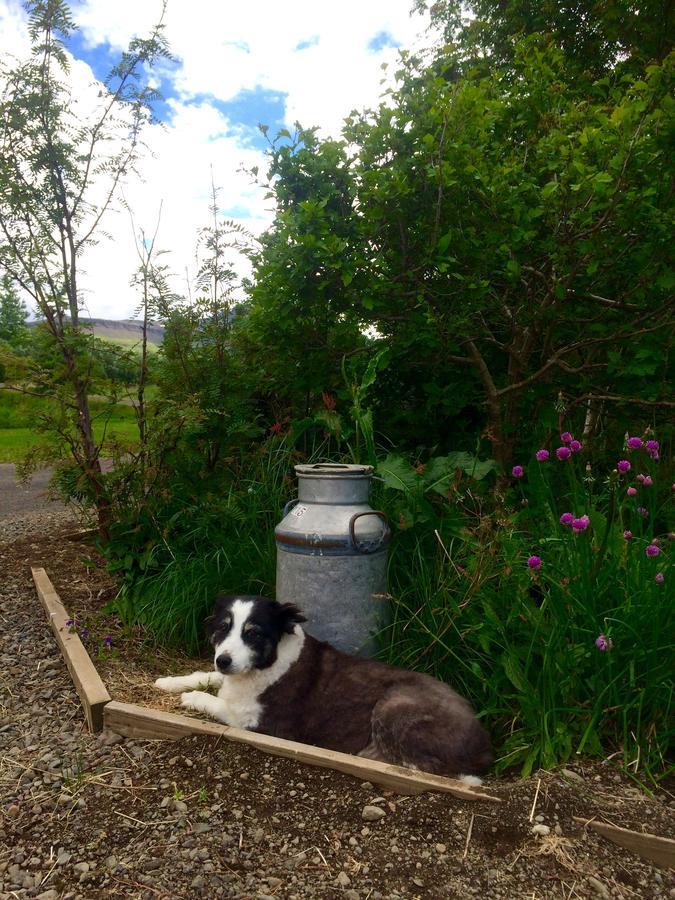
[
  {"x": 652, "y": 550},
  {"x": 628, "y": 535},
  {"x": 84, "y": 633},
  {"x": 654, "y": 455},
  {"x": 534, "y": 562},
  {"x": 107, "y": 640},
  {"x": 603, "y": 643},
  {"x": 623, "y": 465},
  {"x": 634, "y": 443},
  {"x": 659, "y": 578},
  {"x": 69, "y": 622},
  {"x": 580, "y": 524},
  {"x": 647, "y": 481},
  {"x": 652, "y": 446},
  {"x": 643, "y": 511},
  {"x": 575, "y": 446},
  {"x": 542, "y": 455},
  {"x": 631, "y": 491},
  {"x": 517, "y": 471},
  {"x": 565, "y": 437},
  {"x": 563, "y": 452},
  {"x": 566, "y": 519}
]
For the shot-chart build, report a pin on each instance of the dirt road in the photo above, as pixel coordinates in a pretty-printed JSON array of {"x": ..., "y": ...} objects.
[{"x": 16, "y": 498}]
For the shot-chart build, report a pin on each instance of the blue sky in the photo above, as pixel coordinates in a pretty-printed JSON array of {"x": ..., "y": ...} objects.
[{"x": 235, "y": 66}]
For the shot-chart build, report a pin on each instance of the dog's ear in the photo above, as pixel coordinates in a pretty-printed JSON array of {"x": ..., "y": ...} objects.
[{"x": 289, "y": 616}]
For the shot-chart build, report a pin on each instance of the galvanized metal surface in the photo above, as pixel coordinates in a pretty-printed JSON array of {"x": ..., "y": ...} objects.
[{"x": 332, "y": 556}]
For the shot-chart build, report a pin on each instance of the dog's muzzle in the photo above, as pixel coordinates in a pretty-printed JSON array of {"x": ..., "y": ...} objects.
[{"x": 224, "y": 663}]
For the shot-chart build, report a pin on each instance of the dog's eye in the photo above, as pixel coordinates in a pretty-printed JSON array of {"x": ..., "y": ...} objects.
[{"x": 252, "y": 629}]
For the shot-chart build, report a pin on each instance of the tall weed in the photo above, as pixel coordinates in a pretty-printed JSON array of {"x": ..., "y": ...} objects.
[{"x": 561, "y": 634}]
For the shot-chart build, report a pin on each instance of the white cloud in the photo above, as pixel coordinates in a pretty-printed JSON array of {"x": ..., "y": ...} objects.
[{"x": 222, "y": 48}]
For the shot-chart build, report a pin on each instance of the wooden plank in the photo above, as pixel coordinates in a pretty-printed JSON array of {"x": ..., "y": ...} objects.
[
  {"x": 140, "y": 722},
  {"x": 658, "y": 849},
  {"x": 87, "y": 681}
]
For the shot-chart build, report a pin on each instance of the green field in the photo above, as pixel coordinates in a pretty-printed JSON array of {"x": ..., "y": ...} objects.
[{"x": 20, "y": 416}]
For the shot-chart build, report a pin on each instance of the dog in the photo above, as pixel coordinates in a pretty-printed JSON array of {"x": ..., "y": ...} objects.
[{"x": 274, "y": 678}]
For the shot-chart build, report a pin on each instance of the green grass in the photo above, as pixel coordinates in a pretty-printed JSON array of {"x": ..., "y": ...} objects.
[
  {"x": 16, "y": 442},
  {"x": 20, "y": 415}
]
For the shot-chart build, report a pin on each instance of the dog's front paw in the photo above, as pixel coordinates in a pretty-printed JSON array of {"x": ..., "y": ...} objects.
[
  {"x": 192, "y": 700},
  {"x": 169, "y": 683}
]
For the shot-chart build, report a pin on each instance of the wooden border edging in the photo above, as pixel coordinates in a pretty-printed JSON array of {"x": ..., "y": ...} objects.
[
  {"x": 135, "y": 721},
  {"x": 658, "y": 849},
  {"x": 88, "y": 684}
]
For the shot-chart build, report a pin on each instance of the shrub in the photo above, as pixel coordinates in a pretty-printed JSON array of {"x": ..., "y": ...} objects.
[{"x": 553, "y": 614}]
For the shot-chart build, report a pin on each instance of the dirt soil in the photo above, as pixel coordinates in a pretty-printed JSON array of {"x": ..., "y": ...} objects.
[{"x": 100, "y": 816}]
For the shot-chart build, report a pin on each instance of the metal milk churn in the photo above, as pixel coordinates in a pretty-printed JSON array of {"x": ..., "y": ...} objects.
[{"x": 332, "y": 556}]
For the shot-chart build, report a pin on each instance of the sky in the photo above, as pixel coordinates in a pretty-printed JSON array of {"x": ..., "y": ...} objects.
[{"x": 236, "y": 64}]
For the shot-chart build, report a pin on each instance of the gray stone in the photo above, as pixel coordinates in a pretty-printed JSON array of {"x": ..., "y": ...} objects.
[{"x": 372, "y": 813}]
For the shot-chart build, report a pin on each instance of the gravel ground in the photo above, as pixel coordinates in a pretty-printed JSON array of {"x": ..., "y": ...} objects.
[{"x": 86, "y": 816}]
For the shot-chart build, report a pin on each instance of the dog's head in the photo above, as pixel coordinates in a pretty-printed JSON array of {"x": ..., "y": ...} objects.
[{"x": 245, "y": 631}]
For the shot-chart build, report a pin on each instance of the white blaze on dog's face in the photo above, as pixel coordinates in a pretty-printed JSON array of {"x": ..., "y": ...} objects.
[
  {"x": 232, "y": 653},
  {"x": 246, "y": 632}
]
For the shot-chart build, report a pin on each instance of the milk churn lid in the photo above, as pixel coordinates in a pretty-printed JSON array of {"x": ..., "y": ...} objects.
[{"x": 333, "y": 470}]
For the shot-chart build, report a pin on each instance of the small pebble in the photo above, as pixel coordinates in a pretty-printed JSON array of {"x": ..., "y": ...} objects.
[{"x": 372, "y": 813}]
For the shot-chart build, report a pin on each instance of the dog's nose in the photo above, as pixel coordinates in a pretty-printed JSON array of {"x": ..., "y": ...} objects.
[{"x": 223, "y": 662}]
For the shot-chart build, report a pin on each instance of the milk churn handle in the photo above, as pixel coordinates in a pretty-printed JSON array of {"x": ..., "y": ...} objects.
[
  {"x": 289, "y": 506},
  {"x": 369, "y": 546}
]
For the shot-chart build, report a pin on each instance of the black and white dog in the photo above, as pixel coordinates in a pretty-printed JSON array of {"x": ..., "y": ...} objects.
[{"x": 274, "y": 678}]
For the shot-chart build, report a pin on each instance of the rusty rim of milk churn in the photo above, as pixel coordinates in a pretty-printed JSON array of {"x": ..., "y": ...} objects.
[{"x": 340, "y": 470}]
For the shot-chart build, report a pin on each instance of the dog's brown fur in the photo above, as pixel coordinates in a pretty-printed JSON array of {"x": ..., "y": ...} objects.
[{"x": 364, "y": 707}]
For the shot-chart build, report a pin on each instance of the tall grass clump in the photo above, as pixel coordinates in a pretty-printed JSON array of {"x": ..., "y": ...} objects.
[
  {"x": 197, "y": 537},
  {"x": 554, "y": 614}
]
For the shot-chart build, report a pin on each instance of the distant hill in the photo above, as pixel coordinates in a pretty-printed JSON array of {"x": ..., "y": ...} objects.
[
  {"x": 126, "y": 332},
  {"x": 123, "y": 331}
]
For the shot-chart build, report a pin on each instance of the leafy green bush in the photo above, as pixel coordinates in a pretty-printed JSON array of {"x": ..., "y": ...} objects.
[
  {"x": 197, "y": 535},
  {"x": 560, "y": 631}
]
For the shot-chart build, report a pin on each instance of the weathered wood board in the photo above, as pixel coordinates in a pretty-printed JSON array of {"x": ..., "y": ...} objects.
[
  {"x": 660, "y": 850},
  {"x": 87, "y": 681},
  {"x": 136, "y": 721}
]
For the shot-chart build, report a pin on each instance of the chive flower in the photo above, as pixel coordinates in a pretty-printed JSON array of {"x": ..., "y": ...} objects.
[
  {"x": 542, "y": 455},
  {"x": 634, "y": 443},
  {"x": 534, "y": 562},
  {"x": 652, "y": 446},
  {"x": 643, "y": 511},
  {"x": 647, "y": 481},
  {"x": 566, "y": 519},
  {"x": 603, "y": 643},
  {"x": 628, "y": 535},
  {"x": 575, "y": 446},
  {"x": 563, "y": 452},
  {"x": 652, "y": 550},
  {"x": 631, "y": 491},
  {"x": 623, "y": 465},
  {"x": 659, "y": 578},
  {"x": 517, "y": 471},
  {"x": 565, "y": 437},
  {"x": 580, "y": 524}
]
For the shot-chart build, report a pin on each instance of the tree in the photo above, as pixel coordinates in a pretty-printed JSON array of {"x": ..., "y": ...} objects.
[
  {"x": 507, "y": 235},
  {"x": 13, "y": 315},
  {"x": 593, "y": 36},
  {"x": 305, "y": 310},
  {"x": 522, "y": 232},
  {"x": 56, "y": 165}
]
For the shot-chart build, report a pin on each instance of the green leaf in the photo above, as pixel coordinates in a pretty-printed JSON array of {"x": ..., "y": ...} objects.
[{"x": 397, "y": 473}]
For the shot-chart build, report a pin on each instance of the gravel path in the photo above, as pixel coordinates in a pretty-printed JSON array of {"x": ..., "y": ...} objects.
[{"x": 86, "y": 816}]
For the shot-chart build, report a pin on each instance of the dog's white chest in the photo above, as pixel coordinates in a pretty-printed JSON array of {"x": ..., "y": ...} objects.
[{"x": 242, "y": 703}]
